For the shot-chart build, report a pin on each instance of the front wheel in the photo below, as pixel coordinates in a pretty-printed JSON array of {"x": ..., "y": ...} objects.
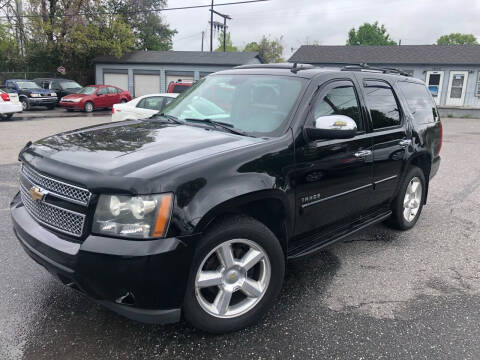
[
  {"x": 237, "y": 273},
  {"x": 88, "y": 107},
  {"x": 25, "y": 104},
  {"x": 6, "y": 116},
  {"x": 408, "y": 204}
]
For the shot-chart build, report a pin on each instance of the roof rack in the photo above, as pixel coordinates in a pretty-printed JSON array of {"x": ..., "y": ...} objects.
[
  {"x": 366, "y": 67},
  {"x": 293, "y": 67}
]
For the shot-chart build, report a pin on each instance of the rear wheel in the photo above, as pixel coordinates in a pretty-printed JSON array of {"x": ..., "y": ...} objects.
[
  {"x": 408, "y": 204},
  {"x": 88, "y": 107},
  {"x": 237, "y": 273},
  {"x": 123, "y": 101},
  {"x": 6, "y": 116}
]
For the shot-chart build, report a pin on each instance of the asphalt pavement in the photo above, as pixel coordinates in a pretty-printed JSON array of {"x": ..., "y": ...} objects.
[{"x": 379, "y": 294}]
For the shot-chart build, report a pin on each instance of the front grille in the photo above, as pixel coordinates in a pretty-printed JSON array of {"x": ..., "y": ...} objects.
[
  {"x": 63, "y": 220},
  {"x": 58, "y": 188}
]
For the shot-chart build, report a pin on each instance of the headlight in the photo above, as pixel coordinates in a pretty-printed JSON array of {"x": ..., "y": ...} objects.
[
  {"x": 143, "y": 216},
  {"x": 53, "y": 94},
  {"x": 35, "y": 95},
  {"x": 61, "y": 99}
]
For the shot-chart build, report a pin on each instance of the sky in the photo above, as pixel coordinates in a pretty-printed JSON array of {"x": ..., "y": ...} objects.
[{"x": 326, "y": 22}]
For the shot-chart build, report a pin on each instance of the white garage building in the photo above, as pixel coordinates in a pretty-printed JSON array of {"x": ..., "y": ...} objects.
[{"x": 146, "y": 72}]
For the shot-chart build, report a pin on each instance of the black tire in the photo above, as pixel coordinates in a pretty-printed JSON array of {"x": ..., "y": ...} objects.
[
  {"x": 123, "y": 101},
  {"x": 51, "y": 107},
  {"x": 237, "y": 227},
  {"x": 25, "y": 104},
  {"x": 6, "y": 116},
  {"x": 398, "y": 220},
  {"x": 88, "y": 107}
]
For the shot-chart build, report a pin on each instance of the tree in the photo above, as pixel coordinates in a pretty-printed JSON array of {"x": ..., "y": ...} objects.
[
  {"x": 229, "y": 47},
  {"x": 271, "y": 50},
  {"x": 457, "y": 39},
  {"x": 8, "y": 50},
  {"x": 369, "y": 34}
]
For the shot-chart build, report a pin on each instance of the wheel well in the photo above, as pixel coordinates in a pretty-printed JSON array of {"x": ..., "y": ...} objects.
[
  {"x": 270, "y": 212},
  {"x": 424, "y": 162}
]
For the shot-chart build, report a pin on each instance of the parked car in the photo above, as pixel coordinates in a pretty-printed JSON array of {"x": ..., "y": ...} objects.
[
  {"x": 141, "y": 107},
  {"x": 9, "y": 104},
  {"x": 30, "y": 94},
  {"x": 62, "y": 87},
  {"x": 198, "y": 210},
  {"x": 94, "y": 97},
  {"x": 178, "y": 87}
]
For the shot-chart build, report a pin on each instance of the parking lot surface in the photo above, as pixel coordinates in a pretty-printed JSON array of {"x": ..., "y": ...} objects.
[{"x": 379, "y": 294}]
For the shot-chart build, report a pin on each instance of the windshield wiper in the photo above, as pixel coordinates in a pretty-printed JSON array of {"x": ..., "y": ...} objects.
[
  {"x": 219, "y": 124},
  {"x": 170, "y": 118}
]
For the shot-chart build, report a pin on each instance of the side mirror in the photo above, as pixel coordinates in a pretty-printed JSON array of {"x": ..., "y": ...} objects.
[{"x": 332, "y": 127}]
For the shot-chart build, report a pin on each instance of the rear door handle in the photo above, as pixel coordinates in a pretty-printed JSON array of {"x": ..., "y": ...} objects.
[
  {"x": 363, "y": 153},
  {"x": 405, "y": 142}
]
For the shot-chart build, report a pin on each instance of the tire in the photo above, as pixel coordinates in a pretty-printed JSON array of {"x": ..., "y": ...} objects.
[
  {"x": 51, "y": 107},
  {"x": 25, "y": 104},
  {"x": 6, "y": 116},
  {"x": 407, "y": 210},
  {"x": 123, "y": 101},
  {"x": 241, "y": 234},
  {"x": 88, "y": 107},
  {"x": 69, "y": 110}
]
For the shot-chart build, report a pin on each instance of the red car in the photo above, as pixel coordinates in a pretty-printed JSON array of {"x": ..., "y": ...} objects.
[
  {"x": 94, "y": 97},
  {"x": 178, "y": 87}
]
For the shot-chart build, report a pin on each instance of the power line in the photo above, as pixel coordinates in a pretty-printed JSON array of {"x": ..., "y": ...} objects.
[{"x": 145, "y": 11}]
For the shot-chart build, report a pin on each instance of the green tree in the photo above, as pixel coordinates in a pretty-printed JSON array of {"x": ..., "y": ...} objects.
[
  {"x": 9, "y": 54},
  {"x": 271, "y": 50},
  {"x": 457, "y": 39},
  {"x": 369, "y": 34},
  {"x": 229, "y": 43}
]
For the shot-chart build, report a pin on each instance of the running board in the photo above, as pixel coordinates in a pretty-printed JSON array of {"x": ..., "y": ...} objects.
[{"x": 319, "y": 245}]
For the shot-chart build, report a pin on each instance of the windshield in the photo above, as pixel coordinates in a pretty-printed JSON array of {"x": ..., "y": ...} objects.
[
  {"x": 88, "y": 90},
  {"x": 70, "y": 85},
  {"x": 27, "y": 85},
  {"x": 255, "y": 104}
]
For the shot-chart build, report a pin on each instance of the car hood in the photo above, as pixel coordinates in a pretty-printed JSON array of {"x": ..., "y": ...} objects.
[
  {"x": 39, "y": 91},
  {"x": 129, "y": 149}
]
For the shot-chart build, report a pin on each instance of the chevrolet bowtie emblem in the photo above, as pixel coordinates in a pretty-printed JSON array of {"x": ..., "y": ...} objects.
[{"x": 36, "y": 193}]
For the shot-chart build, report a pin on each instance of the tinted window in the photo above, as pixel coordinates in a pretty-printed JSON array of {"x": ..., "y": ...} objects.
[
  {"x": 383, "y": 105},
  {"x": 152, "y": 103},
  {"x": 88, "y": 90},
  {"x": 341, "y": 100},
  {"x": 419, "y": 102},
  {"x": 178, "y": 89}
]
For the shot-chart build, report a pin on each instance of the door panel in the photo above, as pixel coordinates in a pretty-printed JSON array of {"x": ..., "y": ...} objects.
[
  {"x": 456, "y": 88},
  {"x": 434, "y": 81},
  {"x": 101, "y": 98},
  {"x": 332, "y": 183}
]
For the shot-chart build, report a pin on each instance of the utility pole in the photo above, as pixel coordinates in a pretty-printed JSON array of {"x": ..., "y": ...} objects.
[
  {"x": 20, "y": 30},
  {"x": 224, "y": 26},
  {"x": 203, "y": 34},
  {"x": 211, "y": 27}
]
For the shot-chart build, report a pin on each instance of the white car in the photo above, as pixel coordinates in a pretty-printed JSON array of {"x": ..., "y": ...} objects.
[
  {"x": 141, "y": 107},
  {"x": 9, "y": 104}
]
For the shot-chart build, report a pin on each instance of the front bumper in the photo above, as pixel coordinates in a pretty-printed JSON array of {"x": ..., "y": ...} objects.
[
  {"x": 43, "y": 101},
  {"x": 141, "y": 280},
  {"x": 71, "y": 105},
  {"x": 10, "y": 108}
]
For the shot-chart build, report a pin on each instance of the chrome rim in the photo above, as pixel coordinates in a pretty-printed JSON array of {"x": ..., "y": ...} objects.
[
  {"x": 412, "y": 199},
  {"x": 232, "y": 278},
  {"x": 24, "y": 105},
  {"x": 89, "y": 107}
]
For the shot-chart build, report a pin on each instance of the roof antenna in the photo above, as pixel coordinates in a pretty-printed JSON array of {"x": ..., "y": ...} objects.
[{"x": 294, "y": 68}]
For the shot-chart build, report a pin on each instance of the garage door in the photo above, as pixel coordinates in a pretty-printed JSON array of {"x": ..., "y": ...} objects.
[
  {"x": 146, "y": 84},
  {"x": 175, "y": 78},
  {"x": 118, "y": 80}
]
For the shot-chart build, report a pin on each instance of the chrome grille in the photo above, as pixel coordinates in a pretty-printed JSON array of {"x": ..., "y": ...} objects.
[
  {"x": 66, "y": 221},
  {"x": 58, "y": 188}
]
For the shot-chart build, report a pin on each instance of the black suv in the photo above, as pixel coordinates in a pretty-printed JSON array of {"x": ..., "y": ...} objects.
[
  {"x": 196, "y": 210},
  {"x": 62, "y": 87}
]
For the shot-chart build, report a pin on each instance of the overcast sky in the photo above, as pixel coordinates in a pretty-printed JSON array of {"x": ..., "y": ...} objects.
[{"x": 325, "y": 21}]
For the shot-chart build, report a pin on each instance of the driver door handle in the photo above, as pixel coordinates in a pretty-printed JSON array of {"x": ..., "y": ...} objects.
[{"x": 363, "y": 153}]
